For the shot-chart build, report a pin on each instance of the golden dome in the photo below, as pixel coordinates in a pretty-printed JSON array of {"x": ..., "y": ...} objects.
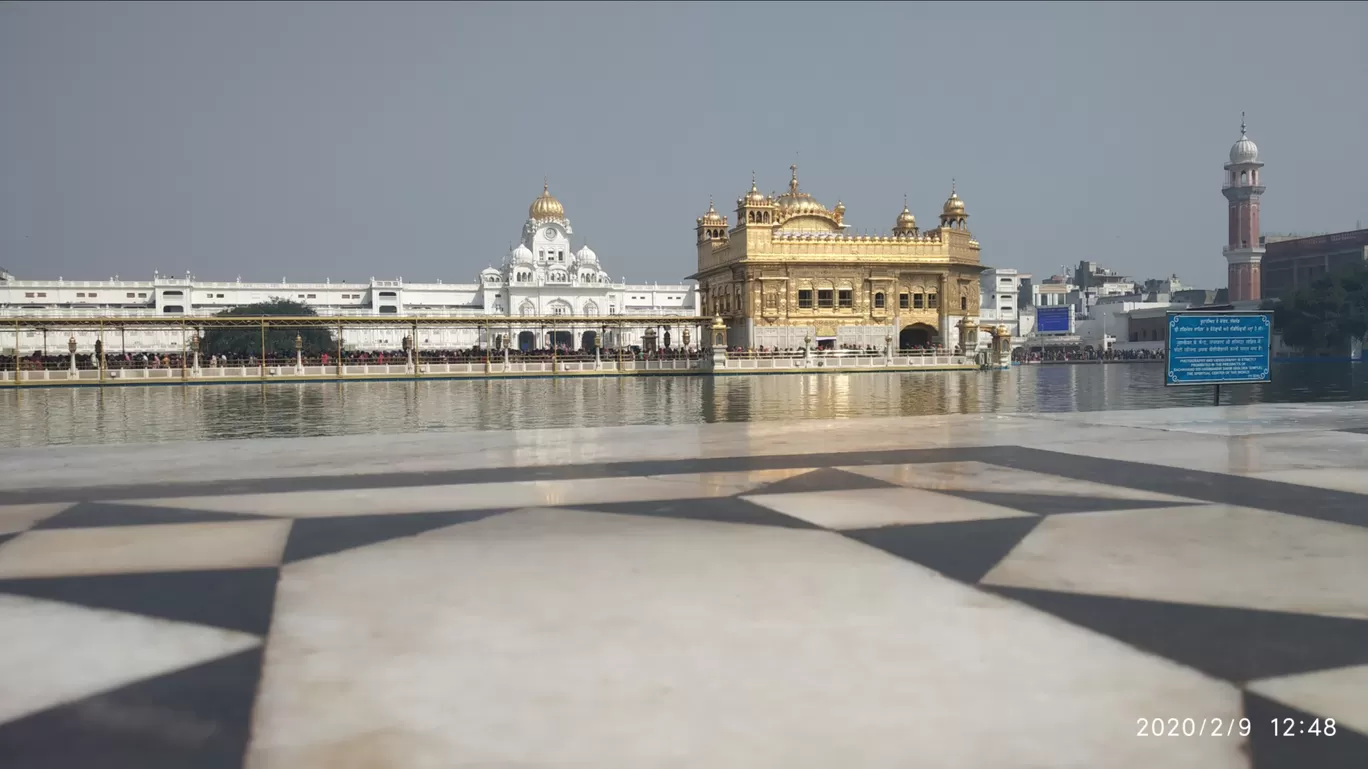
[
  {"x": 712, "y": 217},
  {"x": 546, "y": 206},
  {"x": 954, "y": 206},
  {"x": 755, "y": 197},
  {"x": 795, "y": 202},
  {"x": 906, "y": 221}
]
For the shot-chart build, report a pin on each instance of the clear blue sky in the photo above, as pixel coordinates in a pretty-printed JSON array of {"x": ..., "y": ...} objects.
[{"x": 352, "y": 140}]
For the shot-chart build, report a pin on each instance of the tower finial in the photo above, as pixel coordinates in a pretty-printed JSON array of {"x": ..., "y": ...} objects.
[
  {"x": 793, "y": 182},
  {"x": 546, "y": 186},
  {"x": 904, "y": 201},
  {"x": 952, "y": 186},
  {"x": 1242, "y": 123},
  {"x": 752, "y": 181}
]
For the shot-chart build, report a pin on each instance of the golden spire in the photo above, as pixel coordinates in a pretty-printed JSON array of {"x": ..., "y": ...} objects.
[{"x": 793, "y": 182}]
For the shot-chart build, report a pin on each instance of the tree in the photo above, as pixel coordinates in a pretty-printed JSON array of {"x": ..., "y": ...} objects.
[
  {"x": 280, "y": 340},
  {"x": 1330, "y": 313}
]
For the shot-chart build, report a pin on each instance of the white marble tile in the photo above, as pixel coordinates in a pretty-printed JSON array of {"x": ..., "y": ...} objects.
[
  {"x": 981, "y": 476},
  {"x": 1340, "y": 693},
  {"x": 19, "y": 517},
  {"x": 129, "y": 549},
  {"x": 1212, "y": 555},
  {"x": 869, "y": 508},
  {"x": 478, "y": 496},
  {"x": 559, "y": 638},
  {"x": 57, "y": 652},
  {"x": 1353, "y": 480}
]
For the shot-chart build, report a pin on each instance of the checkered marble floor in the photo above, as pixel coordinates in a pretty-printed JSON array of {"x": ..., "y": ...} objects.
[{"x": 993, "y": 606}]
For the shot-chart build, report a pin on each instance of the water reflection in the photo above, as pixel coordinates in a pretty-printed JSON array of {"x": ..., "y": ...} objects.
[{"x": 149, "y": 414}]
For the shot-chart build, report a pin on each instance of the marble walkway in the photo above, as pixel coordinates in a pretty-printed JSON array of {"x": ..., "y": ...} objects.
[{"x": 957, "y": 591}]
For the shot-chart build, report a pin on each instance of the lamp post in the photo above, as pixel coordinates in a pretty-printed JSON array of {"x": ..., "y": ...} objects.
[
  {"x": 888, "y": 348},
  {"x": 408, "y": 352},
  {"x": 195, "y": 348},
  {"x": 807, "y": 347},
  {"x": 299, "y": 353},
  {"x": 71, "y": 347}
]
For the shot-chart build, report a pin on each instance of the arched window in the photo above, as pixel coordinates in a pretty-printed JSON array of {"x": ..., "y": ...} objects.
[
  {"x": 591, "y": 308},
  {"x": 527, "y": 308},
  {"x": 879, "y": 301}
]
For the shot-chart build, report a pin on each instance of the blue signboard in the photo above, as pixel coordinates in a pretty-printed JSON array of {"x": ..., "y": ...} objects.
[
  {"x": 1052, "y": 320},
  {"x": 1216, "y": 348}
]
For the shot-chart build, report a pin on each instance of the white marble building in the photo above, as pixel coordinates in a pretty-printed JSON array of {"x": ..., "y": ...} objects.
[{"x": 543, "y": 276}]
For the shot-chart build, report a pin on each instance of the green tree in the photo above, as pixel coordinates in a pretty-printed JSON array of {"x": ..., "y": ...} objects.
[
  {"x": 280, "y": 340},
  {"x": 1329, "y": 313}
]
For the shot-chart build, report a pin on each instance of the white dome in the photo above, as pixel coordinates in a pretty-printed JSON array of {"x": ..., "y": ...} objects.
[
  {"x": 521, "y": 254},
  {"x": 586, "y": 254},
  {"x": 1244, "y": 151}
]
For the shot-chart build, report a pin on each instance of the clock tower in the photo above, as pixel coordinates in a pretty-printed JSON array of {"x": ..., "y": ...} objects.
[
  {"x": 547, "y": 232},
  {"x": 1242, "y": 189}
]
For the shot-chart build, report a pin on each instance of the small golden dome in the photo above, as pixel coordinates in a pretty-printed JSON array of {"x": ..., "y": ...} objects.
[
  {"x": 954, "y": 206},
  {"x": 906, "y": 221},
  {"x": 546, "y": 206},
  {"x": 840, "y": 207},
  {"x": 712, "y": 217},
  {"x": 755, "y": 197}
]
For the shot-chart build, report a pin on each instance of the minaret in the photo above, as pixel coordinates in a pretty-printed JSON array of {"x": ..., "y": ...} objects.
[{"x": 1242, "y": 188}]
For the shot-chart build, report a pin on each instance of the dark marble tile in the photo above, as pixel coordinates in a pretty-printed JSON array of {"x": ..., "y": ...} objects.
[
  {"x": 824, "y": 479},
  {"x": 1052, "y": 504},
  {"x": 718, "y": 509},
  {"x": 1305, "y": 501},
  {"x": 313, "y": 537},
  {"x": 94, "y": 514},
  {"x": 1233, "y": 644},
  {"x": 236, "y": 599},
  {"x": 1298, "y": 748},
  {"x": 196, "y": 718},
  {"x": 963, "y": 550}
]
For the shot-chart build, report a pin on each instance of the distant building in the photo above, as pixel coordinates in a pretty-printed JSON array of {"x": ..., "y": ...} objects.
[
  {"x": 540, "y": 276},
  {"x": 1100, "y": 281},
  {"x": 1290, "y": 264},
  {"x": 1000, "y": 289}
]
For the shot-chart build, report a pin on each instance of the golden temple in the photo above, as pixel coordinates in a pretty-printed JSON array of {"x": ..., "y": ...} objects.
[{"x": 789, "y": 275}]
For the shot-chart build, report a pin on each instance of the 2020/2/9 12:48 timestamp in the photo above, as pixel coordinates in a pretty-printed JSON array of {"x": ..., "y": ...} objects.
[{"x": 1295, "y": 727}]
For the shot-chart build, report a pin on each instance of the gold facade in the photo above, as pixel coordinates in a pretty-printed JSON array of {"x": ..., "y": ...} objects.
[{"x": 789, "y": 262}]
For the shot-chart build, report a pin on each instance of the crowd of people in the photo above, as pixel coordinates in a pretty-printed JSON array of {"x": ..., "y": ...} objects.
[
  {"x": 155, "y": 360},
  {"x": 1084, "y": 354}
]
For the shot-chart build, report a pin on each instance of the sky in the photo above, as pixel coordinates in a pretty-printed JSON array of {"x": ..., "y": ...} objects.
[{"x": 406, "y": 140}]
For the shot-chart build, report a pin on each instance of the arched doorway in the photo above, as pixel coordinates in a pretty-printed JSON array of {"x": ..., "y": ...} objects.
[
  {"x": 562, "y": 339},
  {"x": 916, "y": 335},
  {"x": 589, "y": 340},
  {"x": 527, "y": 341}
]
